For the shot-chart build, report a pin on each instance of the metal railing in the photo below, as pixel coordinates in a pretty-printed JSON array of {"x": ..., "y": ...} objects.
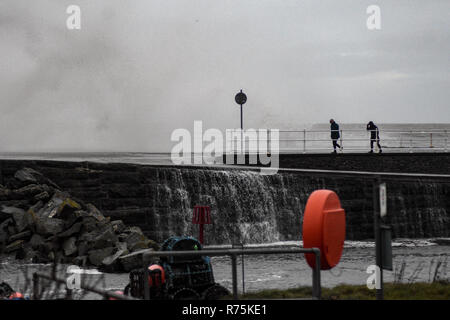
[
  {"x": 317, "y": 141},
  {"x": 233, "y": 254},
  {"x": 52, "y": 277}
]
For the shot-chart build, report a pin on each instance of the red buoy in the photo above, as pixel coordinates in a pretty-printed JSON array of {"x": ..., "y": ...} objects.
[
  {"x": 324, "y": 228},
  {"x": 156, "y": 276}
]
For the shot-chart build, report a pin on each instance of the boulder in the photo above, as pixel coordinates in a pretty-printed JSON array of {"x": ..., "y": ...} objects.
[
  {"x": 36, "y": 241},
  {"x": 21, "y": 218},
  {"x": 118, "y": 226},
  {"x": 74, "y": 229},
  {"x": 49, "y": 226},
  {"x": 28, "y": 191},
  {"x": 112, "y": 263},
  {"x": 69, "y": 246},
  {"x": 94, "y": 212},
  {"x": 43, "y": 196},
  {"x": 133, "y": 260},
  {"x": 96, "y": 257},
  {"x": 29, "y": 176},
  {"x": 20, "y": 236},
  {"x": 16, "y": 245}
]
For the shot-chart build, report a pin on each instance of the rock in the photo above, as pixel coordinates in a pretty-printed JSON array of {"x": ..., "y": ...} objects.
[
  {"x": 112, "y": 263},
  {"x": 49, "y": 226},
  {"x": 21, "y": 219},
  {"x": 97, "y": 239},
  {"x": 5, "y": 193},
  {"x": 96, "y": 257},
  {"x": 28, "y": 191},
  {"x": 16, "y": 245},
  {"x": 28, "y": 176},
  {"x": 118, "y": 226},
  {"x": 133, "y": 260},
  {"x": 69, "y": 246},
  {"x": 80, "y": 261},
  {"x": 43, "y": 196},
  {"x": 67, "y": 208},
  {"x": 74, "y": 229},
  {"x": 20, "y": 236},
  {"x": 94, "y": 212},
  {"x": 136, "y": 240},
  {"x": 83, "y": 248},
  {"x": 36, "y": 241},
  {"x": 27, "y": 253}
]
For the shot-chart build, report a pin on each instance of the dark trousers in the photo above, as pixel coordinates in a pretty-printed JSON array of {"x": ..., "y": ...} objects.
[
  {"x": 335, "y": 144},
  {"x": 375, "y": 140}
]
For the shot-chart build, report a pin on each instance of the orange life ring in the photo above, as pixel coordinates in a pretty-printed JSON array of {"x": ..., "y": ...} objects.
[{"x": 324, "y": 228}]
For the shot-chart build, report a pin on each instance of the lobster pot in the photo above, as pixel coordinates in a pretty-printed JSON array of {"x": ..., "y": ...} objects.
[
  {"x": 182, "y": 244},
  {"x": 137, "y": 283},
  {"x": 192, "y": 274}
]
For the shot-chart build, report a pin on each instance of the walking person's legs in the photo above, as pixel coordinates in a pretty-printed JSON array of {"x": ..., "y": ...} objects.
[
  {"x": 335, "y": 145},
  {"x": 371, "y": 145}
]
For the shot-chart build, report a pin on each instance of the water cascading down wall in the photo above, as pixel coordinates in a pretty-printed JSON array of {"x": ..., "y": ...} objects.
[{"x": 246, "y": 207}]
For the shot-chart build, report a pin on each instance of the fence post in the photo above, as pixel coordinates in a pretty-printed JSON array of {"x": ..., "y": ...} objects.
[
  {"x": 317, "y": 291},
  {"x": 234, "y": 275},
  {"x": 304, "y": 140},
  {"x": 342, "y": 146},
  {"x": 35, "y": 286},
  {"x": 410, "y": 142},
  {"x": 446, "y": 138},
  {"x": 431, "y": 139}
]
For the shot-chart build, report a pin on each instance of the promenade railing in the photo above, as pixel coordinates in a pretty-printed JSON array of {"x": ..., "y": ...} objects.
[{"x": 319, "y": 141}]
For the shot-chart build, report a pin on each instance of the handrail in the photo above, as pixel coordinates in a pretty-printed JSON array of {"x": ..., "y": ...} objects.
[
  {"x": 233, "y": 253},
  {"x": 303, "y": 141},
  {"x": 54, "y": 278}
]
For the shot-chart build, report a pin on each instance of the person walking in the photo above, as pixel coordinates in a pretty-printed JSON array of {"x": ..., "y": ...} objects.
[
  {"x": 374, "y": 136},
  {"x": 334, "y": 127}
]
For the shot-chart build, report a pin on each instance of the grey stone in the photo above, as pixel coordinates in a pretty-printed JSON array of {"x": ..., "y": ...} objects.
[
  {"x": 21, "y": 219},
  {"x": 74, "y": 229},
  {"x": 36, "y": 241},
  {"x": 69, "y": 246},
  {"x": 133, "y": 260},
  {"x": 49, "y": 226},
  {"x": 96, "y": 257},
  {"x": 112, "y": 262},
  {"x": 118, "y": 226},
  {"x": 43, "y": 196},
  {"x": 94, "y": 212},
  {"x": 20, "y": 236},
  {"x": 29, "y": 175},
  {"x": 16, "y": 245},
  {"x": 28, "y": 191}
]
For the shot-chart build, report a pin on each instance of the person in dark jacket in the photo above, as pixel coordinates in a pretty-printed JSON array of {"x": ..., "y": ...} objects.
[
  {"x": 335, "y": 134},
  {"x": 374, "y": 136}
]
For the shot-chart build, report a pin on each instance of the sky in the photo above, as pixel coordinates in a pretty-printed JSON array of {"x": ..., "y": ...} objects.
[{"x": 139, "y": 69}]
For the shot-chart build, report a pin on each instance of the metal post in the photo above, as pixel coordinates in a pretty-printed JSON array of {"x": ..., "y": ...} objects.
[
  {"x": 35, "y": 286},
  {"x": 431, "y": 139},
  {"x": 234, "y": 275},
  {"x": 342, "y": 146},
  {"x": 304, "y": 140},
  {"x": 378, "y": 248},
  {"x": 317, "y": 291},
  {"x": 243, "y": 282},
  {"x": 200, "y": 233},
  {"x": 146, "y": 274},
  {"x": 410, "y": 142},
  {"x": 446, "y": 139}
]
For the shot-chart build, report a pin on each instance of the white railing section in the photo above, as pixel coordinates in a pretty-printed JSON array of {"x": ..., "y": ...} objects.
[{"x": 319, "y": 141}]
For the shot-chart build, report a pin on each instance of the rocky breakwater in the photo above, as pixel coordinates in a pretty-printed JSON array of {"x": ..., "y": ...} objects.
[{"x": 42, "y": 224}]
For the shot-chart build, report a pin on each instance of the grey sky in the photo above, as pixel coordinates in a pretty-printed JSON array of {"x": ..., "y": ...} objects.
[{"x": 137, "y": 70}]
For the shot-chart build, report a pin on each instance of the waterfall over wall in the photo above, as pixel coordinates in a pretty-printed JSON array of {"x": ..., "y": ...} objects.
[{"x": 246, "y": 207}]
